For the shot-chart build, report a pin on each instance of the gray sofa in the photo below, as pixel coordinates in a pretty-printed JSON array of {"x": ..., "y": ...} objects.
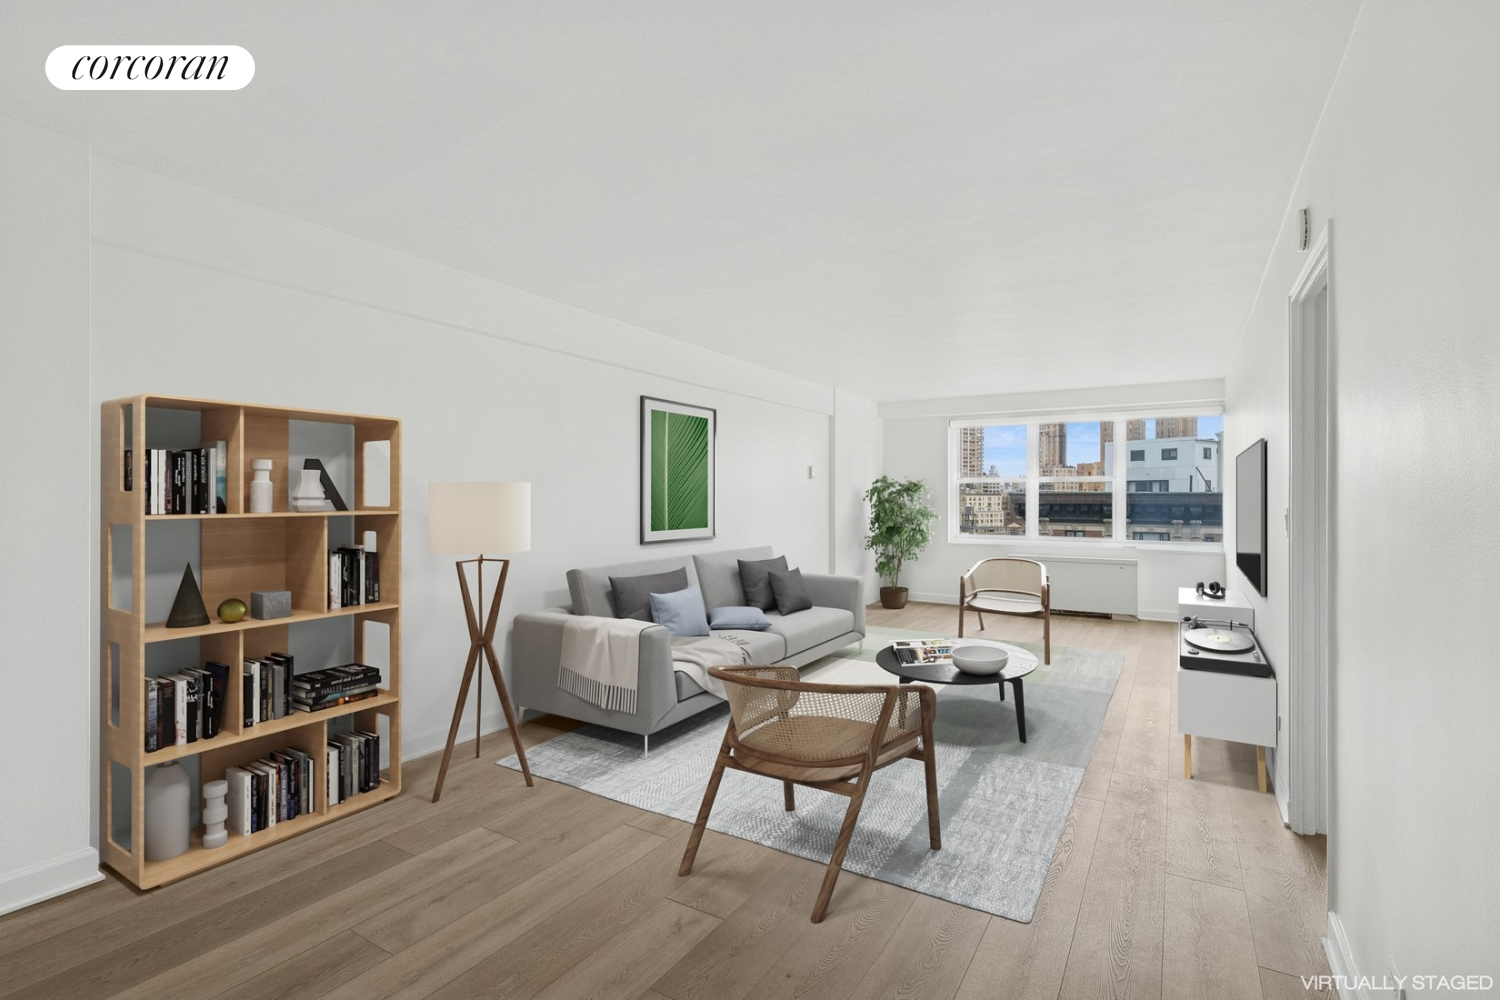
[{"x": 664, "y": 696}]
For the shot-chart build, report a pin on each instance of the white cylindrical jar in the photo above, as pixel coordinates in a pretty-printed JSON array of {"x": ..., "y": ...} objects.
[
  {"x": 169, "y": 795},
  {"x": 261, "y": 490}
]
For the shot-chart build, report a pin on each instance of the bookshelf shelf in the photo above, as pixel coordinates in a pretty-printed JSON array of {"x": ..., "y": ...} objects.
[
  {"x": 237, "y": 552},
  {"x": 158, "y": 631}
]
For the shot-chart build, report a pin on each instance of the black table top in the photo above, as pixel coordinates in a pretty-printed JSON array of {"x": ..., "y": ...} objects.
[{"x": 947, "y": 673}]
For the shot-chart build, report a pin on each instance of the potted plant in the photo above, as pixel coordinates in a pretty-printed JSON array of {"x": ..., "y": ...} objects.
[{"x": 900, "y": 528}]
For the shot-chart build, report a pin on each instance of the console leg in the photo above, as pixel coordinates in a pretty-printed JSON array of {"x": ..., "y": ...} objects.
[
  {"x": 1187, "y": 756},
  {"x": 1260, "y": 767}
]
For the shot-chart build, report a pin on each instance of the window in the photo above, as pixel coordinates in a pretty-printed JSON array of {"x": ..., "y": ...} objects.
[{"x": 1045, "y": 478}]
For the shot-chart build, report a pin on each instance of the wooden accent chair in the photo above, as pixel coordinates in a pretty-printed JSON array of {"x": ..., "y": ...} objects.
[
  {"x": 1005, "y": 586},
  {"x": 828, "y": 736}
]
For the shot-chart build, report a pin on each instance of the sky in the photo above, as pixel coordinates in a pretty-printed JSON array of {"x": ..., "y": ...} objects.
[{"x": 1005, "y": 446}]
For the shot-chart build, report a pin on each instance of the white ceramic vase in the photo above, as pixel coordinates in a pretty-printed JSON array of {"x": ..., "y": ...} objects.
[
  {"x": 169, "y": 795},
  {"x": 261, "y": 490},
  {"x": 308, "y": 496},
  {"x": 215, "y": 812}
]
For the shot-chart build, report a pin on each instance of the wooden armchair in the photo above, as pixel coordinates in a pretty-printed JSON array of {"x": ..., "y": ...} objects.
[
  {"x": 1004, "y": 586},
  {"x": 828, "y": 736}
]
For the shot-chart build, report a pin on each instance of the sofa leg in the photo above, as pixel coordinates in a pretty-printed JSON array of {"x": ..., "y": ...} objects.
[{"x": 645, "y": 746}]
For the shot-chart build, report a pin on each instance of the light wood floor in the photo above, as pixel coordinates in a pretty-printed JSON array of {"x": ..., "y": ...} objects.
[{"x": 1160, "y": 887}]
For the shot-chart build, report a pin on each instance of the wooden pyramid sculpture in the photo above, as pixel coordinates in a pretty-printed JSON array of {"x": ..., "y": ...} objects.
[{"x": 188, "y": 610}]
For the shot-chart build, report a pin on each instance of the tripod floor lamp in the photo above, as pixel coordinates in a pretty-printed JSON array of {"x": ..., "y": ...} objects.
[{"x": 465, "y": 518}]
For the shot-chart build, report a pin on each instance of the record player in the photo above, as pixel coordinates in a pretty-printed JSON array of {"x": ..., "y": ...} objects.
[{"x": 1224, "y": 647}]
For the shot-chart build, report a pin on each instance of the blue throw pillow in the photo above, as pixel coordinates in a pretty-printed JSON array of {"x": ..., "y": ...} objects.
[
  {"x": 680, "y": 611},
  {"x": 733, "y": 616}
]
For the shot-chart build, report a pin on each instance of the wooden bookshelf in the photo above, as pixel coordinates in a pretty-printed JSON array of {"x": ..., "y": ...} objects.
[{"x": 238, "y": 552}]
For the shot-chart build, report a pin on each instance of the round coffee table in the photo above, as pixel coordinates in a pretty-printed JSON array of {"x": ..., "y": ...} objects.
[{"x": 1018, "y": 666}]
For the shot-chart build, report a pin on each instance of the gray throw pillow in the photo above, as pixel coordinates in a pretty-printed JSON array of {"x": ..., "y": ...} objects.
[
  {"x": 790, "y": 591},
  {"x": 632, "y": 594},
  {"x": 754, "y": 581}
]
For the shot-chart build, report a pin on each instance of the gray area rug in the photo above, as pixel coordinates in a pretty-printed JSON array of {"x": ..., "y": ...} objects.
[{"x": 1003, "y": 804}]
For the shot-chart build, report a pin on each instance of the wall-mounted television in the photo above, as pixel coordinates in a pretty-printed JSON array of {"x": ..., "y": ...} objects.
[{"x": 1250, "y": 514}]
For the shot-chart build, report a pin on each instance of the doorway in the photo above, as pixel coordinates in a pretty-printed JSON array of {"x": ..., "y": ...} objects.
[{"x": 1310, "y": 528}]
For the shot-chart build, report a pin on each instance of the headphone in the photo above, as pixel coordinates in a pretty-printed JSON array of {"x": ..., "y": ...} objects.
[{"x": 1213, "y": 591}]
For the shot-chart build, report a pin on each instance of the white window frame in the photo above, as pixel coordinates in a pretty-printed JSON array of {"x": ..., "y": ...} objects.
[{"x": 1119, "y": 536}]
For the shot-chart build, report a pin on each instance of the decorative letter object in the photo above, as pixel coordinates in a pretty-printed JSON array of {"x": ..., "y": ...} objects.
[
  {"x": 188, "y": 610},
  {"x": 215, "y": 812},
  {"x": 261, "y": 491},
  {"x": 169, "y": 792}
]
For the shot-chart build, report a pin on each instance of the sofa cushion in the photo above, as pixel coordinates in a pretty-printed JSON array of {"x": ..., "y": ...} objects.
[
  {"x": 755, "y": 581},
  {"x": 589, "y": 588},
  {"x": 681, "y": 612},
  {"x": 719, "y": 575},
  {"x": 738, "y": 616},
  {"x": 806, "y": 629},
  {"x": 631, "y": 595},
  {"x": 790, "y": 591}
]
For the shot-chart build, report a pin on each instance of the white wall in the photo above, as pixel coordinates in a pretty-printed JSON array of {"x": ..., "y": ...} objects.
[
  {"x": 857, "y": 462},
  {"x": 916, "y": 447},
  {"x": 1404, "y": 162},
  {"x": 46, "y": 710}
]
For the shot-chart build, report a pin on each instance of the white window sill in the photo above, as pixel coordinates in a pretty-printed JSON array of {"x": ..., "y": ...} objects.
[{"x": 1104, "y": 544}]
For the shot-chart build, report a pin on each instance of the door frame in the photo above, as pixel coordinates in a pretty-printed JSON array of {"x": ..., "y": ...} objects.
[{"x": 1310, "y": 527}]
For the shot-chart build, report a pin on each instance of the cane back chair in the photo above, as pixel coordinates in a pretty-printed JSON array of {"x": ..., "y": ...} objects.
[{"x": 832, "y": 737}]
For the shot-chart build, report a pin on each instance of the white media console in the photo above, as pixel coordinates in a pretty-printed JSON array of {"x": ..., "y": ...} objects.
[{"x": 1224, "y": 706}]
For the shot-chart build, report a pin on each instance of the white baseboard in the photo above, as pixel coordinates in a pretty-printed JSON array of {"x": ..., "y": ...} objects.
[
  {"x": 49, "y": 878},
  {"x": 1341, "y": 961},
  {"x": 433, "y": 740}
]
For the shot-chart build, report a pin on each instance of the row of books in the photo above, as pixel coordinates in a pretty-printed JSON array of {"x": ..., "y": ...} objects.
[
  {"x": 274, "y": 789},
  {"x": 334, "y": 686},
  {"x": 191, "y": 481},
  {"x": 353, "y": 577},
  {"x": 279, "y": 787},
  {"x": 353, "y": 765},
  {"x": 186, "y": 707},
  {"x": 268, "y": 687}
]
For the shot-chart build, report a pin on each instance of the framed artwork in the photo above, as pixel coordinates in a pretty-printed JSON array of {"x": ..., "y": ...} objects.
[{"x": 677, "y": 470}]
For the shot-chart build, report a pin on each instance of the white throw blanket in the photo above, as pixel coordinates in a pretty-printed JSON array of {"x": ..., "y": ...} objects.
[
  {"x": 601, "y": 660},
  {"x": 693, "y": 655}
]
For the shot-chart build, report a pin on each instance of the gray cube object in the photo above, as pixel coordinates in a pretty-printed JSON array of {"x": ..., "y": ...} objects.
[{"x": 271, "y": 604}]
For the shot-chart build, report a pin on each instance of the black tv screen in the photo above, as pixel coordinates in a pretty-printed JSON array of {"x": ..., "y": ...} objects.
[{"x": 1250, "y": 514}]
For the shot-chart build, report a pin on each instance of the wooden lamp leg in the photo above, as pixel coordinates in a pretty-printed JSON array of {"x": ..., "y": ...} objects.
[{"x": 482, "y": 644}]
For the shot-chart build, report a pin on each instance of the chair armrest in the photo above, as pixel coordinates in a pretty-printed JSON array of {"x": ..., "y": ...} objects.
[
  {"x": 537, "y": 657},
  {"x": 847, "y": 592}
]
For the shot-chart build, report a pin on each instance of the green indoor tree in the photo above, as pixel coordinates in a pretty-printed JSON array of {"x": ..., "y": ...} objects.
[{"x": 900, "y": 528}]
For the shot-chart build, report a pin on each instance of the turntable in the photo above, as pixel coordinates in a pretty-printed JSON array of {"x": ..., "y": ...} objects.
[{"x": 1221, "y": 646}]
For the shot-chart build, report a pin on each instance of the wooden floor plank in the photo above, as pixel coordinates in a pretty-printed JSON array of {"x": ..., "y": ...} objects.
[
  {"x": 506, "y": 891},
  {"x": 1027, "y": 961},
  {"x": 325, "y": 966},
  {"x": 439, "y": 958},
  {"x": 1280, "y": 986},
  {"x": 1207, "y": 950},
  {"x": 927, "y": 955},
  {"x": 1200, "y": 834},
  {"x": 1117, "y": 944},
  {"x": 261, "y": 950}
]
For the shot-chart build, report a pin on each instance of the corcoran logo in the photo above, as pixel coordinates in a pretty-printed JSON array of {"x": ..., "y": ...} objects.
[{"x": 150, "y": 67}]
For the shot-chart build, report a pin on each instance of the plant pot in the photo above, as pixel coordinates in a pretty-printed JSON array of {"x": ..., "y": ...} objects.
[{"x": 893, "y": 598}]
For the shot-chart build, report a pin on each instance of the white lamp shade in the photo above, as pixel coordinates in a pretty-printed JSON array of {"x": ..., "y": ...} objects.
[{"x": 478, "y": 518}]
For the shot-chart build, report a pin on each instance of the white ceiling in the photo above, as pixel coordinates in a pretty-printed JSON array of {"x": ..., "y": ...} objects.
[{"x": 913, "y": 199}]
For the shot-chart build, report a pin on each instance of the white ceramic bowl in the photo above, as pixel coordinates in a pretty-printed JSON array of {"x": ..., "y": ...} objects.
[{"x": 982, "y": 660}]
